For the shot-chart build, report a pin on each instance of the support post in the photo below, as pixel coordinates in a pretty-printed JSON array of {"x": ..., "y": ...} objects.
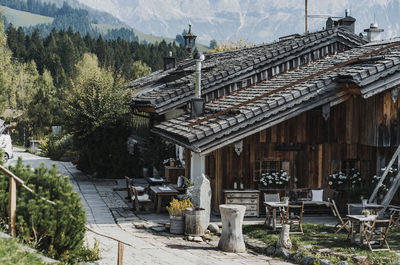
[
  {"x": 306, "y": 16},
  {"x": 197, "y": 165},
  {"x": 120, "y": 253},
  {"x": 13, "y": 205}
]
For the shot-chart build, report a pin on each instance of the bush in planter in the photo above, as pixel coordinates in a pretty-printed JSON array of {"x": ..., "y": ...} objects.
[
  {"x": 176, "y": 210},
  {"x": 57, "y": 230}
]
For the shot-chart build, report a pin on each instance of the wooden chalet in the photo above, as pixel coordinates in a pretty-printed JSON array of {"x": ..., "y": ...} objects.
[{"x": 310, "y": 105}]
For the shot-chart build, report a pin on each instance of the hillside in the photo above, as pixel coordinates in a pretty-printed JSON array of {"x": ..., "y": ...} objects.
[
  {"x": 24, "y": 19},
  {"x": 256, "y": 20},
  {"x": 103, "y": 28}
]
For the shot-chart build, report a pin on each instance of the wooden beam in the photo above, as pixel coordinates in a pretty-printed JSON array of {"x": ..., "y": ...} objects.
[
  {"x": 147, "y": 110},
  {"x": 120, "y": 253},
  {"x": 320, "y": 153},
  {"x": 351, "y": 88},
  {"x": 13, "y": 205}
]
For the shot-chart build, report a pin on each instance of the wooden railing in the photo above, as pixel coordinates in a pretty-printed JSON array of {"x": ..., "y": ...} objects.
[
  {"x": 120, "y": 245},
  {"x": 394, "y": 185},
  {"x": 13, "y": 197},
  {"x": 13, "y": 207}
]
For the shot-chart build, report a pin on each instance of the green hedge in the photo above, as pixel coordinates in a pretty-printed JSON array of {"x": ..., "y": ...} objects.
[{"x": 57, "y": 230}]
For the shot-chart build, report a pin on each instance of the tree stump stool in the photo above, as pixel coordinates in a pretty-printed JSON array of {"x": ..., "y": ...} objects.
[
  {"x": 284, "y": 239},
  {"x": 232, "y": 219}
]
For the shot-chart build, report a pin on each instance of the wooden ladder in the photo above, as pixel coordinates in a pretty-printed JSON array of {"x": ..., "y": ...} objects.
[{"x": 394, "y": 186}]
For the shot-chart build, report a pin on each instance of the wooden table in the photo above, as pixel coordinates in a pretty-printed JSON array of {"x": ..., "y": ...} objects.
[
  {"x": 360, "y": 220},
  {"x": 162, "y": 191},
  {"x": 273, "y": 206}
]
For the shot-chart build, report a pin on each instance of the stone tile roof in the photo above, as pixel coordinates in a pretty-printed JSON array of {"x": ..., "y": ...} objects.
[
  {"x": 166, "y": 90},
  {"x": 257, "y": 107}
]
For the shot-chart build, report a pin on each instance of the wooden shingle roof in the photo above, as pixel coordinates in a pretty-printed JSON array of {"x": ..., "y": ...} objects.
[
  {"x": 257, "y": 107},
  {"x": 162, "y": 91}
]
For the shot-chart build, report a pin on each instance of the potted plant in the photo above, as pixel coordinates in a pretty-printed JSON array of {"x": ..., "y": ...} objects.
[
  {"x": 285, "y": 200},
  {"x": 176, "y": 210},
  {"x": 275, "y": 180},
  {"x": 366, "y": 213}
]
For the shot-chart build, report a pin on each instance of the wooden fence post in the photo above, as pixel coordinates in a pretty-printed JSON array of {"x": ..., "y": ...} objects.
[
  {"x": 13, "y": 205},
  {"x": 120, "y": 253}
]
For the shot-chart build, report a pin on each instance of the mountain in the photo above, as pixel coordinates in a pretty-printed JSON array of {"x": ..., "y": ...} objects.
[
  {"x": 255, "y": 20},
  {"x": 101, "y": 17},
  {"x": 30, "y": 21}
]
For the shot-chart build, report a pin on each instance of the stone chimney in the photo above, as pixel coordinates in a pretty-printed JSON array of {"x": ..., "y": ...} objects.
[
  {"x": 169, "y": 62},
  {"x": 374, "y": 32},
  {"x": 348, "y": 22}
]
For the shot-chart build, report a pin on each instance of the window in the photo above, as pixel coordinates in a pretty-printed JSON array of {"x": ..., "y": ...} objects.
[
  {"x": 345, "y": 166},
  {"x": 265, "y": 166},
  {"x": 349, "y": 165}
]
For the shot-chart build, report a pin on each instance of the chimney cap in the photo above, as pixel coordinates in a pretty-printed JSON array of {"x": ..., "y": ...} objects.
[
  {"x": 347, "y": 12},
  {"x": 374, "y": 25},
  {"x": 199, "y": 56}
]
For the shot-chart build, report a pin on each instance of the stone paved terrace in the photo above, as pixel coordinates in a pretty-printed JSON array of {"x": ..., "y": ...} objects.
[{"x": 108, "y": 213}]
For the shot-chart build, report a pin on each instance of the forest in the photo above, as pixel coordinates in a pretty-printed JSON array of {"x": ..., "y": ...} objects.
[{"x": 80, "y": 84}]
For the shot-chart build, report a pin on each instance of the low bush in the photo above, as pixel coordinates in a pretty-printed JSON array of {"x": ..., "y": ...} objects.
[
  {"x": 12, "y": 254},
  {"x": 56, "y": 146},
  {"x": 56, "y": 230}
]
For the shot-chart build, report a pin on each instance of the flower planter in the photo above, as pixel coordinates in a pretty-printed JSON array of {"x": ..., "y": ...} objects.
[
  {"x": 195, "y": 221},
  {"x": 177, "y": 225}
]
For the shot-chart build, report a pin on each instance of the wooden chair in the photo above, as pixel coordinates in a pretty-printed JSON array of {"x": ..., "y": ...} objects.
[
  {"x": 139, "y": 201},
  {"x": 128, "y": 188},
  {"x": 139, "y": 188},
  {"x": 344, "y": 223},
  {"x": 268, "y": 197},
  {"x": 377, "y": 233},
  {"x": 294, "y": 216},
  {"x": 395, "y": 212}
]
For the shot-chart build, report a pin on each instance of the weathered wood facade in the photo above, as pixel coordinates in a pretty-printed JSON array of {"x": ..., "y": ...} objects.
[
  {"x": 311, "y": 117},
  {"x": 358, "y": 133}
]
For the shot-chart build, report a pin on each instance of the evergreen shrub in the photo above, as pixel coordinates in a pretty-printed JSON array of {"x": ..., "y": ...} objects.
[
  {"x": 105, "y": 154},
  {"x": 56, "y": 146},
  {"x": 57, "y": 230}
]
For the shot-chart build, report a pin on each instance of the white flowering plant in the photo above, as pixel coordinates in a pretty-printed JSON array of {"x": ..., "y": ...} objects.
[
  {"x": 384, "y": 188},
  {"x": 278, "y": 179},
  {"x": 343, "y": 181}
]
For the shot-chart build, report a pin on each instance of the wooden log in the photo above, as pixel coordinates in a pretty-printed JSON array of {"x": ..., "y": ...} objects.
[
  {"x": 195, "y": 222},
  {"x": 12, "y": 205},
  {"x": 232, "y": 220},
  {"x": 284, "y": 238}
]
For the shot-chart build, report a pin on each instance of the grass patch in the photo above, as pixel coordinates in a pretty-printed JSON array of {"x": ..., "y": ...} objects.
[
  {"x": 11, "y": 254},
  {"x": 24, "y": 19},
  {"x": 317, "y": 237}
]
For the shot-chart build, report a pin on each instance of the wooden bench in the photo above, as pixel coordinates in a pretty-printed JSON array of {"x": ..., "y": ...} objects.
[{"x": 313, "y": 206}]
